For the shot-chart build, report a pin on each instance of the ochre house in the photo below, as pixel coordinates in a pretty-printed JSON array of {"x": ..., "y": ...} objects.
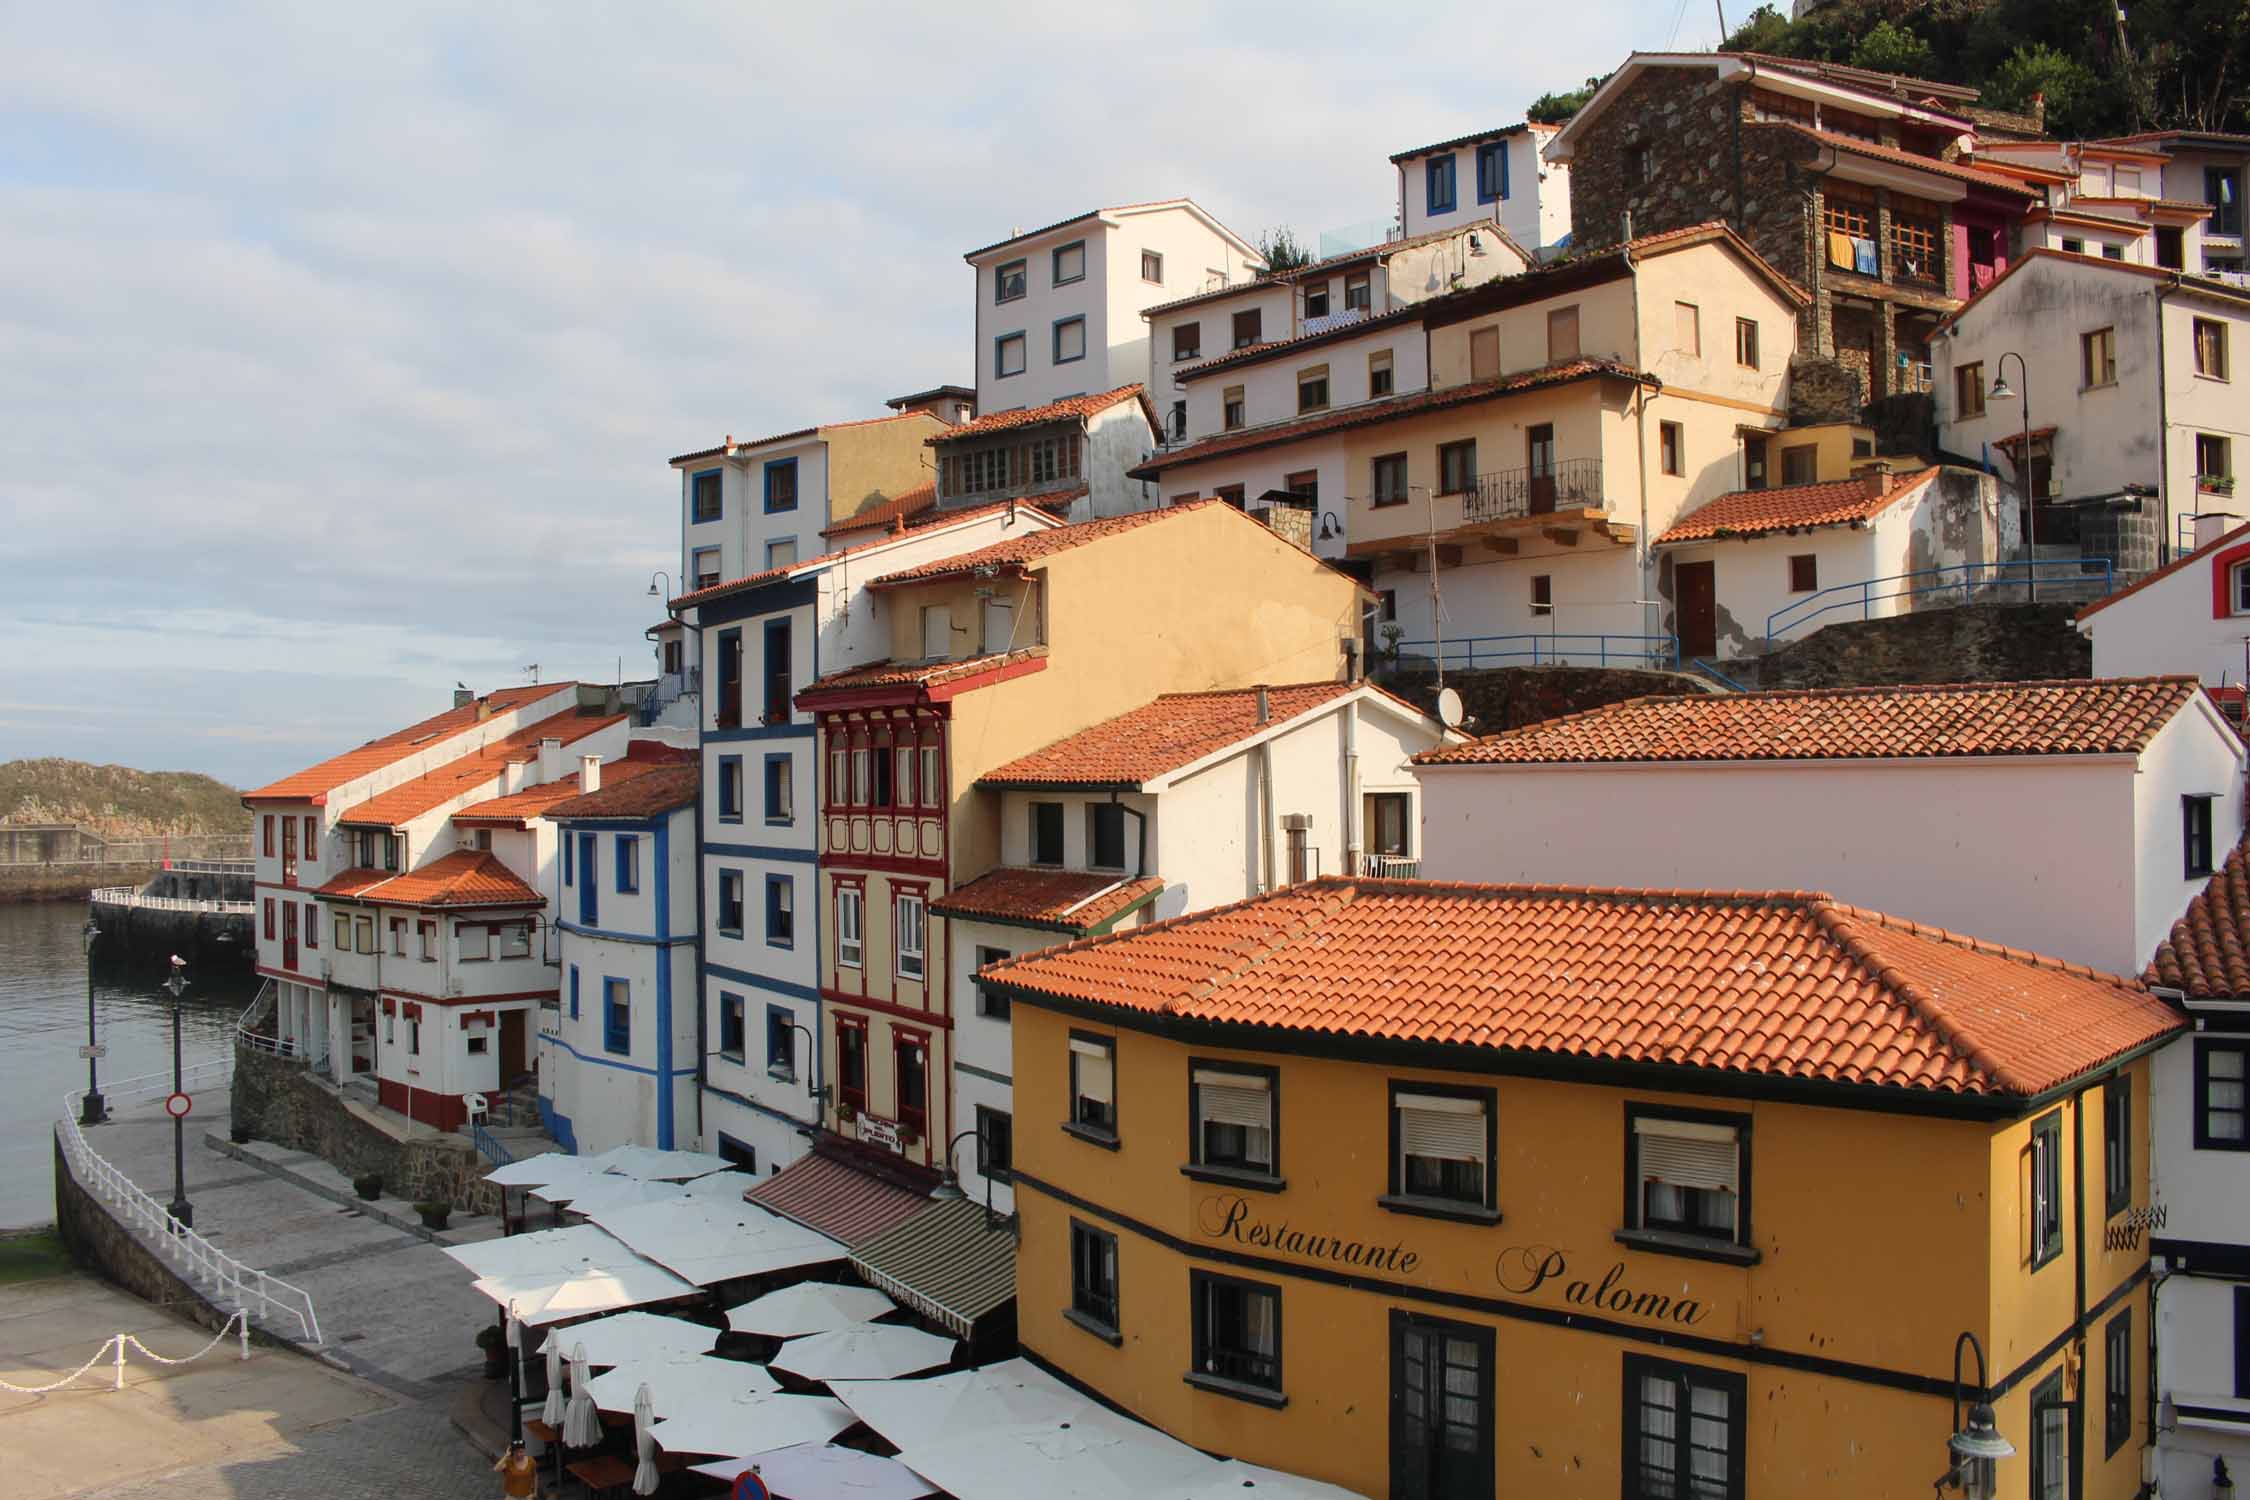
[{"x": 1461, "y": 1191}]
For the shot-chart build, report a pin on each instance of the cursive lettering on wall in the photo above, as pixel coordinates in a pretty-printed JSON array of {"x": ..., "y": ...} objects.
[
  {"x": 1524, "y": 1269},
  {"x": 1227, "y": 1216}
]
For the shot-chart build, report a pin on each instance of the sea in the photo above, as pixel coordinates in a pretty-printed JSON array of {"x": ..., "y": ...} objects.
[{"x": 43, "y": 975}]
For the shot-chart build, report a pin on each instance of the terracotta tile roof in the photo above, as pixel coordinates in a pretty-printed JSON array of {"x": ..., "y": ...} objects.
[
  {"x": 900, "y": 509},
  {"x": 1016, "y": 552},
  {"x": 533, "y": 801},
  {"x": 2104, "y": 716},
  {"x": 2041, "y": 255},
  {"x": 1480, "y": 135},
  {"x": 410, "y": 799},
  {"x": 1794, "y": 507},
  {"x": 916, "y": 398},
  {"x": 1070, "y": 408},
  {"x": 1784, "y": 984},
  {"x": 925, "y": 674},
  {"x": 1160, "y": 736},
  {"x": 1372, "y": 413},
  {"x": 466, "y": 877},
  {"x": 658, "y": 789},
  {"x": 1031, "y": 505},
  {"x": 802, "y": 432},
  {"x": 1231, "y": 289},
  {"x": 1411, "y": 242},
  {"x": 1854, "y": 146},
  {"x": 2174, "y": 566},
  {"x": 2207, "y": 954},
  {"x": 392, "y": 748},
  {"x": 1253, "y": 353},
  {"x": 1074, "y": 901},
  {"x": 1896, "y": 86}
]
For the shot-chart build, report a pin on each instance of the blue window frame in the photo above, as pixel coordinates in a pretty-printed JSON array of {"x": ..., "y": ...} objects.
[
  {"x": 781, "y": 485},
  {"x": 781, "y": 1043},
  {"x": 628, "y": 864},
  {"x": 574, "y": 992},
  {"x": 781, "y": 790},
  {"x": 705, "y": 493},
  {"x": 1492, "y": 171},
  {"x": 617, "y": 1016},
  {"x": 1068, "y": 263},
  {"x": 780, "y": 679},
  {"x": 730, "y": 788},
  {"x": 589, "y": 888},
  {"x": 731, "y": 1039},
  {"x": 1437, "y": 181},
  {"x": 730, "y": 903},
  {"x": 781, "y": 911},
  {"x": 1008, "y": 354},
  {"x": 1070, "y": 340},
  {"x": 566, "y": 843}
]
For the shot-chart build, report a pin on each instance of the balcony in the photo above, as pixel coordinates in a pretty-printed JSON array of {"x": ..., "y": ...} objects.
[{"x": 1573, "y": 484}]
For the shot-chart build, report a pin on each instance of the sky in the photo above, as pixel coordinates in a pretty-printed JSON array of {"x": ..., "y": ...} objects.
[{"x": 341, "y": 350}]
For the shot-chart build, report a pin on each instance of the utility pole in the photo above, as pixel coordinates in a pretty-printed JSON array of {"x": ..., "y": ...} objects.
[
  {"x": 181, "y": 1209},
  {"x": 92, "y": 1112}
]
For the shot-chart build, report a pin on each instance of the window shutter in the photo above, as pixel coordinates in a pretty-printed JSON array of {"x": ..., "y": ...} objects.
[
  {"x": 1684, "y": 1154},
  {"x": 1444, "y": 1128},
  {"x": 1233, "y": 1099},
  {"x": 1093, "y": 1071}
]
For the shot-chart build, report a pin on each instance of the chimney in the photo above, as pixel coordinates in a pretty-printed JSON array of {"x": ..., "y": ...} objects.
[
  {"x": 550, "y": 759},
  {"x": 2039, "y": 109},
  {"x": 1878, "y": 480},
  {"x": 589, "y": 774},
  {"x": 484, "y": 709},
  {"x": 2210, "y": 525},
  {"x": 463, "y": 697},
  {"x": 1265, "y": 705},
  {"x": 513, "y": 777}
]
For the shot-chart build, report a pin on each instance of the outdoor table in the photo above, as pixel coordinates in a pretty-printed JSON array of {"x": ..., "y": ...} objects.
[{"x": 602, "y": 1474}]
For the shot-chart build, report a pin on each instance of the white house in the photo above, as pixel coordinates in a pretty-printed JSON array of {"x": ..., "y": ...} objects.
[
  {"x": 2075, "y": 819},
  {"x": 617, "y": 1053},
  {"x": 1058, "y": 308},
  {"x": 2104, "y": 199},
  {"x": 2207, "y": 168},
  {"x": 1493, "y": 174},
  {"x": 1189, "y": 801},
  {"x": 767, "y": 635},
  {"x": 1071, "y": 457},
  {"x": 2191, "y": 616},
  {"x": 2199, "y": 1182}
]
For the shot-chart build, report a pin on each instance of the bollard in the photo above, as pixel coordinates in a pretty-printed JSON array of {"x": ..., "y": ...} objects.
[
  {"x": 243, "y": 1313},
  {"x": 119, "y": 1341}
]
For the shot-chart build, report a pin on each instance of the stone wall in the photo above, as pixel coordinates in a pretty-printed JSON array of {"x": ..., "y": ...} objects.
[
  {"x": 1821, "y": 390},
  {"x": 283, "y": 1101},
  {"x": 58, "y": 882},
  {"x": 1974, "y": 643},
  {"x": 1497, "y": 698},
  {"x": 139, "y": 940}
]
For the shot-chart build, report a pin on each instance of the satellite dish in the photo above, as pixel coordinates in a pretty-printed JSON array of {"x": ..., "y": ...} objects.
[{"x": 1449, "y": 708}]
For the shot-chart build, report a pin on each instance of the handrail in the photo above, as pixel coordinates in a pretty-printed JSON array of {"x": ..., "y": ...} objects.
[
  {"x": 1390, "y": 867},
  {"x": 1549, "y": 648},
  {"x": 488, "y": 1146},
  {"x": 197, "y": 1260},
  {"x": 1570, "y": 484},
  {"x": 1957, "y": 577},
  {"x": 1710, "y": 669},
  {"x": 126, "y": 895}
]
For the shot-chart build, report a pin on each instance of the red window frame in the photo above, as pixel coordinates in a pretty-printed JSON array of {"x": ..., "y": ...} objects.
[
  {"x": 311, "y": 851},
  {"x": 904, "y": 1041},
  {"x": 312, "y": 925},
  {"x": 269, "y": 919},
  {"x": 269, "y": 836},
  {"x": 845, "y": 1092}
]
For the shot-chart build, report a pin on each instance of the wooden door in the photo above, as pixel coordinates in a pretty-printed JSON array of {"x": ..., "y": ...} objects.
[
  {"x": 513, "y": 1058},
  {"x": 1695, "y": 595},
  {"x": 1539, "y": 451}
]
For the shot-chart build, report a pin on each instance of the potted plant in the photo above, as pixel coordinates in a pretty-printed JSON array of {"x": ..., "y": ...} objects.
[
  {"x": 2217, "y": 484},
  {"x": 1392, "y": 632},
  {"x": 845, "y": 1113},
  {"x": 369, "y": 1185},
  {"x": 494, "y": 1343},
  {"x": 434, "y": 1213}
]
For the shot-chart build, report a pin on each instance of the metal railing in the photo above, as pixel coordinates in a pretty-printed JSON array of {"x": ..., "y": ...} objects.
[
  {"x": 1710, "y": 669},
  {"x": 1390, "y": 867},
  {"x": 214, "y": 866},
  {"x": 488, "y": 1146},
  {"x": 1544, "y": 649},
  {"x": 126, "y": 895},
  {"x": 1571, "y": 484},
  {"x": 1966, "y": 580},
  {"x": 196, "y": 1259}
]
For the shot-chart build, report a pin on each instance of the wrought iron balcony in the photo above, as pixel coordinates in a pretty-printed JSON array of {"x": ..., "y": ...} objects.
[{"x": 1535, "y": 490}]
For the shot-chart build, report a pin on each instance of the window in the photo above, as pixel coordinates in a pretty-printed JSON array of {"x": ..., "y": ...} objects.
[
  {"x": 1442, "y": 1149},
  {"x": 851, "y": 1064},
  {"x": 1316, "y": 300},
  {"x": 1562, "y": 334},
  {"x": 269, "y": 915},
  {"x": 781, "y": 1044},
  {"x": 574, "y": 992},
  {"x": 1687, "y": 1177},
  {"x": 475, "y": 939},
  {"x": 1484, "y": 354},
  {"x": 1237, "y": 1330},
  {"x": 312, "y": 926},
  {"x": 1753, "y": 463},
  {"x": 992, "y": 1004},
  {"x": 1093, "y": 1279},
  {"x": 425, "y": 936},
  {"x": 1152, "y": 267},
  {"x": 851, "y": 904},
  {"x": 363, "y": 935},
  {"x": 781, "y": 790},
  {"x": 737, "y": 1154},
  {"x": 703, "y": 567},
  {"x": 414, "y": 1034},
  {"x": 1069, "y": 263},
  {"x": 1070, "y": 340},
  {"x": 1390, "y": 479},
  {"x": 268, "y": 822},
  {"x": 930, "y": 783},
  {"x": 1176, "y": 424},
  {"x": 1187, "y": 341},
  {"x": 781, "y": 485},
  {"x": 1359, "y": 291},
  {"x": 1007, "y": 355},
  {"x": 1231, "y": 410},
  {"x": 996, "y": 1142},
  {"x": 1247, "y": 327},
  {"x": 781, "y": 553},
  {"x": 617, "y": 1016},
  {"x": 1105, "y": 836},
  {"x": 2050, "y": 1440},
  {"x": 1312, "y": 389},
  {"x": 2211, "y": 348},
  {"x": 1046, "y": 833},
  {"x": 675, "y": 658},
  {"x": 1804, "y": 573},
  {"x": 343, "y": 932},
  {"x": 2171, "y": 247},
  {"x": 731, "y": 1038},
  {"x": 907, "y": 918},
  {"x": 2222, "y": 1114},
  {"x": 2113, "y": 252},
  {"x": 730, "y": 903},
  {"x": 1542, "y": 593},
  {"x": 1093, "y": 1085},
  {"x": 1800, "y": 463},
  {"x": 1670, "y": 439},
  {"x": 1379, "y": 373},
  {"x": 1492, "y": 171},
  {"x": 2097, "y": 357},
  {"x": 398, "y": 937},
  {"x": 1234, "y": 1107},
  {"x": 479, "y": 1044},
  {"x": 1968, "y": 390},
  {"x": 1636, "y": 166},
  {"x": 628, "y": 864},
  {"x": 910, "y": 1068},
  {"x": 2195, "y": 835},
  {"x": 730, "y": 801},
  {"x": 2214, "y": 462},
  {"x": 1390, "y": 824},
  {"x": 1914, "y": 241},
  {"x": 1746, "y": 343},
  {"x": 2222, "y": 189},
  {"x": 704, "y": 496},
  {"x": 1687, "y": 328},
  {"x": 1305, "y": 482},
  {"x": 1009, "y": 281},
  {"x": 2117, "y": 1382},
  {"x": 1457, "y": 467},
  {"x": 780, "y": 680},
  {"x": 781, "y": 911},
  {"x": 1437, "y": 182},
  {"x": 1848, "y": 216},
  {"x": 728, "y": 711},
  {"x": 1684, "y": 1427},
  {"x": 937, "y": 645},
  {"x": 2046, "y": 1190},
  {"x": 2117, "y": 1145},
  {"x": 312, "y": 840},
  {"x": 2074, "y": 246}
]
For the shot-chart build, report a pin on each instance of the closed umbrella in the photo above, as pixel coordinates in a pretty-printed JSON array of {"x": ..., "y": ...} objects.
[
  {"x": 552, "y": 1412},
  {"x": 864, "y": 1351},
  {"x": 644, "y": 1440},
  {"x": 809, "y": 1307},
  {"x": 582, "y": 1428}
]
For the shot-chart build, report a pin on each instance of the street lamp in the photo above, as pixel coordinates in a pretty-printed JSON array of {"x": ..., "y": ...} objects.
[
  {"x": 181, "y": 1209},
  {"x": 91, "y": 1113},
  {"x": 1977, "y": 1448},
  {"x": 660, "y": 573},
  {"x": 948, "y": 1189},
  {"x": 2001, "y": 392}
]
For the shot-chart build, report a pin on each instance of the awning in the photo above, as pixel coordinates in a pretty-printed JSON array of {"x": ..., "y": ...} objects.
[
  {"x": 837, "y": 1199},
  {"x": 952, "y": 1262}
]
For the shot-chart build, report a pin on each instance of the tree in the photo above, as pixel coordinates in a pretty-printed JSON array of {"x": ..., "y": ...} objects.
[
  {"x": 1888, "y": 48},
  {"x": 1553, "y": 108},
  {"x": 2076, "y": 99},
  {"x": 1763, "y": 30},
  {"x": 1281, "y": 250}
]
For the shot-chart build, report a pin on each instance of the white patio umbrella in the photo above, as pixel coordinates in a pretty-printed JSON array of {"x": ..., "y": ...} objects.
[
  {"x": 1094, "y": 1456},
  {"x": 535, "y": 1171},
  {"x": 720, "y": 1185},
  {"x": 628, "y": 1337},
  {"x": 582, "y": 1428},
  {"x": 652, "y": 1165},
  {"x": 678, "y": 1382},
  {"x": 644, "y": 1443},
  {"x": 750, "y": 1425},
  {"x": 542, "y": 1250},
  {"x": 606, "y": 1190},
  {"x": 822, "y": 1469},
  {"x": 809, "y": 1307},
  {"x": 1012, "y": 1393},
  {"x": 1235, "y": 1477},
  {"x": 552, "y": 1412},
  {"x": 864, "y": 1351}
]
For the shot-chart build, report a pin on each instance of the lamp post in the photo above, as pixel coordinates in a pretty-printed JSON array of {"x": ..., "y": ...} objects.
[
  {"x": 1977, "y": 1448},
  {"x": 181, "y": 1209},
  {"x": 660, "y": 573},
  {"x": 948, "y": 1189},
  {"x": 2001, "y": 392},
  {"x": 91, "y": 1112}
]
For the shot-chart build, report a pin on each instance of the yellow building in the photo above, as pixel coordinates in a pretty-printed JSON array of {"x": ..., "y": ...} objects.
[{"x": 1464, "y": 1191}]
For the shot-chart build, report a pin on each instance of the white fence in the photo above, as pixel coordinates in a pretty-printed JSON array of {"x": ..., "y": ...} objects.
[
  {"x": 125, "y": 895},
  {"x": 199, "y": 1262}
]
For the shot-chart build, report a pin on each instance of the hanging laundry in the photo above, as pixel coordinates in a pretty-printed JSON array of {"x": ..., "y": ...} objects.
[
  {"x": 1839, "y": 249},
  {"x": 1863, "y": 258}
]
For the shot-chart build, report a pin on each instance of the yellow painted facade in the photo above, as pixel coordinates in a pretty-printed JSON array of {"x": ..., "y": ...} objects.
[
  {"x": 870, "y": 462},
  {"x": 1878, "y": 1237}
]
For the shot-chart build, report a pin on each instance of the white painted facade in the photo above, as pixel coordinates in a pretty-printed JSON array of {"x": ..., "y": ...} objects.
[
  {"x": 1268, "y": 383},
  {"x": 2190, "y": 618},
  {"x": 2213, "y": 171},
  {"x": 2078, "y": 857},
  {"x": 1532, "y": 202}
]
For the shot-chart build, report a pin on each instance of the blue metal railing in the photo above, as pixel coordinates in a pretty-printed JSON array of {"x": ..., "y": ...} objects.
[
  {"x": 1961, "y": 578},
  {"x": 489, "y": 1146},
  {"x": 1545, "y": 649},
  {"x": 1711, "y": 670}
]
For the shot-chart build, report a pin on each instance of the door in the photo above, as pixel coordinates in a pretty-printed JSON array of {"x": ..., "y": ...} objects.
[
  {"x": 513, "y": 1061},
  {"x": 1539, "y": 448},
  {"x": 1441, "y": 1409},
  {"x": 288, "y": 851},
  {"x": 1695, "y": 593},
  {"x": 289, "y": 936},
  {"x": 589, "y": 883}
]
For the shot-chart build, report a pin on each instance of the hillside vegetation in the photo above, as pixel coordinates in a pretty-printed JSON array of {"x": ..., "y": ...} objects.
[{"x": 118, "y": 800}]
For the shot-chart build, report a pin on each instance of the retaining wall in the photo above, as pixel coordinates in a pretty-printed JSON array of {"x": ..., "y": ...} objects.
[
  {"x": 136, "y": 938},
  {"x": 284, "y": 1102},
  {"x": 60, "y": 882}
]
